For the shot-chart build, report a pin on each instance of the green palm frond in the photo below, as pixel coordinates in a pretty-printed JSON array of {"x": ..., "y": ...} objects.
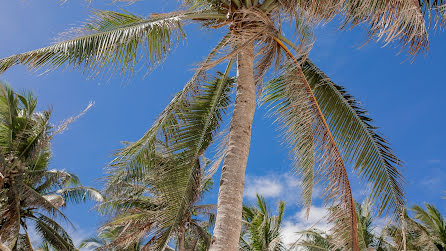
[
  {"x": 359, "y": 140},
  {"x": 167, "y": 120},
  {"x": 313, "y": 149},
  {"x": 314, "y": 240},
  {"x": 432, "y": 222},
  {"x": 35, "y": 199},
  {"x": 53, "y": 234},
  {"x": 173, "y": 169},
  {"x": 261, "y": 230},
  {"x": 111, "y": 40}
]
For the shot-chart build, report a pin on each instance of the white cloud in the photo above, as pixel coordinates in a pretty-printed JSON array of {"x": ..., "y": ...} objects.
[
  {"x": 285, "y": 187},
  {"x": 300, "y": 222},
  {"x": 268, "y": 188}
]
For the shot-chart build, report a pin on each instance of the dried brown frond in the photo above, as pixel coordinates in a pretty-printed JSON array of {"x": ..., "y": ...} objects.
[{"x": 388, "y": 20}]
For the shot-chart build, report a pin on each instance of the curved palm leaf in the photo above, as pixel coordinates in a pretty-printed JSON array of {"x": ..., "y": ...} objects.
[
  {"x": 313, "y": 148},
  {"x": 358, "y": 140},
  {"x": 111, "y": 40}
]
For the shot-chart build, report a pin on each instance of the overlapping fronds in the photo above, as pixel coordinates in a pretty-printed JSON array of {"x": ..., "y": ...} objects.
[
  {"x": 27, "y": 187},
  {"x": 313, "y": 149},
  {"x": 432, "y": 225},
  {"x": 359, "y": 141},
  {"x": 53, "y": 233},
  {"x": 167, "y": 120},
  {"x": 170, "y": 171},
  {"x": 314, "y": 240},
  {"x": 262, "y": 230},
  {"x": 110, "y": 40},
  {"x": 398, "y": 20}
]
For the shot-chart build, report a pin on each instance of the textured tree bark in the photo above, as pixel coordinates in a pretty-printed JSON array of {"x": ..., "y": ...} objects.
[
  {"x": 229, "y": 209},
  {"x": 181, "y": 239}
]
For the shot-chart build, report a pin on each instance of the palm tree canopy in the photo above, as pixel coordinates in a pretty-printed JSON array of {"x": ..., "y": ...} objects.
[
  {"x": 261, "y": 230},
  {"x": 29, "y": 191}
]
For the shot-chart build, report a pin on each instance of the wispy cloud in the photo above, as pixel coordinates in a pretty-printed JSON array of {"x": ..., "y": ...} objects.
[{"x": 285, "y": 187}]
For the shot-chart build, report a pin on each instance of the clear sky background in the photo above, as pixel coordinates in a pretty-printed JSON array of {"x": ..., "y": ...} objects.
[{"x": 407, "y": 100}]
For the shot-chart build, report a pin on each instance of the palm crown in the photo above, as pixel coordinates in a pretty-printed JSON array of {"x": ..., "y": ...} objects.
[
  {"x": 29, "y": 191},
  {"x": 323, "y": 124}
]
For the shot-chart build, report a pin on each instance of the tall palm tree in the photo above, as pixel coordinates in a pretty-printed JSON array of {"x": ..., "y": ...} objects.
[
  {"x": 260, "y": 229},
  {"x": 29, "y": 191},
  {"x": 323, "y": 124}
]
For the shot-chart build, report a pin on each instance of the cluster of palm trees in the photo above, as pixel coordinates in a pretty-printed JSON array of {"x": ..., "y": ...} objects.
[{"x": 162, "y": 175}]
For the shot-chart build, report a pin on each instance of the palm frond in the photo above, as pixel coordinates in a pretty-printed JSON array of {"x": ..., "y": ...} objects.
[
  {"x": 167, "y": 120},
  {"x": 53, "y": 234},
  {"x": 316, "y": 156},
  {"x": 172, "y": 169},
  {"x": 359, "y": 140},
  {"x": 111, "y": 40},
  {"x": 392, "y": 21},
  {"x": 80, "y": 194}
]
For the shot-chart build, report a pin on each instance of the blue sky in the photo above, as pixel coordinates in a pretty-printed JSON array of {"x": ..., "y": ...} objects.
[{"x": 407, "y": 101}]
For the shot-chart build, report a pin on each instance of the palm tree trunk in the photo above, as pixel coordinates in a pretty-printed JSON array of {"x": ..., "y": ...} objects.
[
  {"x": 181, "y": 239},
  {"x": 229, "y": 209}
]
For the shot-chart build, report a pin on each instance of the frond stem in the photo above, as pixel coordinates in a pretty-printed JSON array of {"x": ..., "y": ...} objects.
[{"x": 355, "y": 244}]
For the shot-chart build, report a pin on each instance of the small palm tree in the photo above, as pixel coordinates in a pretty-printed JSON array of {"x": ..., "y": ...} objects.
[
  {"x": 29, "y": 191},
  {"x": 261, "y": 230},
  {"x": 323, "y": 124}
]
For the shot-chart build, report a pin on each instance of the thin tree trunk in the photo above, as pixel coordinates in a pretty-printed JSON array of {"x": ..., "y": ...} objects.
[{"x": 229, "y": 209}]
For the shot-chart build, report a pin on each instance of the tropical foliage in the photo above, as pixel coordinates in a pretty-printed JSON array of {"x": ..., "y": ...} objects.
[
  {"x": 261, "y": 230},
  {"x": 323, "y": 124},
  {"x": 31, "y": 194},
  {"x": 153, "y": 201}
]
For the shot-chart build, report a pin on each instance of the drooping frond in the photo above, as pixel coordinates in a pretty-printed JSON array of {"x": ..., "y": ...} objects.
[
  {"x": 359, "y": 140},
  {"x": 53, "y": 234},
  {"x": 399, "y": 20},
  {"x": 313, "y": 149},
  {"x": 172, "y": 168},
  {"x": 167, "y": 120},
  {"x": 110, "y": 40}
]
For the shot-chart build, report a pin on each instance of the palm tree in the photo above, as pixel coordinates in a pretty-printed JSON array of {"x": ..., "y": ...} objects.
[
  {"x": 368, "y": 238},
  {"x": 29, "y": 191},
  {"x": 261, "y": 230},
  {"x": 431, "y": 227},
  {"x": 323, "y": 124},
  {"x": 148, "y": 208},
  {"x": 425, "y": 231}
]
